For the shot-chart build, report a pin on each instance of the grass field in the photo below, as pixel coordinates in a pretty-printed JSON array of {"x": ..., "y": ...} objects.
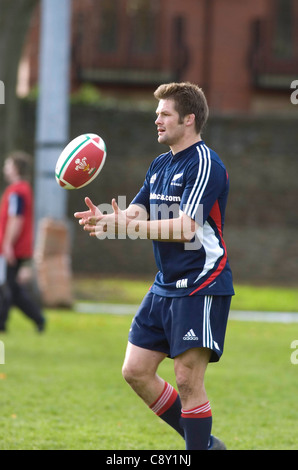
[{"x": 64, "y": 389}]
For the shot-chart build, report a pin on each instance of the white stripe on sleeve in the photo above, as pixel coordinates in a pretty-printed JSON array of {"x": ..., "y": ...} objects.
[{"x": 199, "y": 187}]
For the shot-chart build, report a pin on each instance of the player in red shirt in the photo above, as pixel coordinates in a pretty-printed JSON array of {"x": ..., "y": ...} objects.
[{"x": 16, "y": 239}]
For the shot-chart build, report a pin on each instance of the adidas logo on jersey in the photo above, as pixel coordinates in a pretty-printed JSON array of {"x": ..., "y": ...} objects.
[{"x": 190, "y": 336}]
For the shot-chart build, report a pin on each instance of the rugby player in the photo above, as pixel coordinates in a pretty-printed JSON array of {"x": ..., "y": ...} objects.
[{"x": 181, "y": 207}]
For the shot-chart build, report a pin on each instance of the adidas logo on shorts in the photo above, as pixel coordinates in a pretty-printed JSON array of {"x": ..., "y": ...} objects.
[{"x": 190, "y": 336}]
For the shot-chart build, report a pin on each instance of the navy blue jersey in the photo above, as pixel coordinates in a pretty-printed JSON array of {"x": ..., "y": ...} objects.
[{"x": 196, "y": 182}]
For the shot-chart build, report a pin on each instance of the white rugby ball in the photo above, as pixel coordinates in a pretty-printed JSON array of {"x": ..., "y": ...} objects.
[{"x": 81, "y": 161}]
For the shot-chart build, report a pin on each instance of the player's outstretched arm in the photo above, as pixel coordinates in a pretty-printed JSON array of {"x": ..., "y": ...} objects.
[
  {"x": 133, "y": 222},
  {"x": 181, "y": 229}
]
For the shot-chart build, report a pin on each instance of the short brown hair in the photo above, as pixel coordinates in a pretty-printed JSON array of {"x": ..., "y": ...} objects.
[
  {"x": 188, "y": 98},
  {"x": 22, "y": 161}
]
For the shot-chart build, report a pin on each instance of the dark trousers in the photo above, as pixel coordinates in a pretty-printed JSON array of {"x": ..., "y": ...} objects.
[{"x": 15, "y": 294}]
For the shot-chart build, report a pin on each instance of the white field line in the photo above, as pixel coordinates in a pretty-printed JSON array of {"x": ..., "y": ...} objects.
[{"x": 240, "y": 315}]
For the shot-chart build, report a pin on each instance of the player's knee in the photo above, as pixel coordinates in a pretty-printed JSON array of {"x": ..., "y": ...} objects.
[
  {"x": 184, "y": 386},
  {"x": 132, "y": 373},
  {"x": 186, "y": 383},
  {"x": 126, "y": 373}
]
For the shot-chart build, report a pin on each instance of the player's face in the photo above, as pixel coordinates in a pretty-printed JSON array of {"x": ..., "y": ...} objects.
[
  {"x": 9, "y": 170},
  {"x": 169, "y": 126}
]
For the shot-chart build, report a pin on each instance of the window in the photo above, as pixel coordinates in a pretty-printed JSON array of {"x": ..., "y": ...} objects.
[
  {"x": 283, "y": 37},
  {"x": 275, "y": 46},
  {"x": 109, "y": 27},
  {"x": 142, "y": 15},
  {"x": 120, "y": 44}
]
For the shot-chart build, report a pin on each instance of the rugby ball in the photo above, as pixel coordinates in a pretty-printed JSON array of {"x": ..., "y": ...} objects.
[{"x": 81, "y": 161}]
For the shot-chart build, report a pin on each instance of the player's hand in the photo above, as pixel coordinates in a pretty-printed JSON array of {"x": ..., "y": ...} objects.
[
  {"x": 99, "y": 224},
  {"x": 109, "y": 225},
  {"x": 91, "y": 217},
  {"x": 8, "y": 253}
]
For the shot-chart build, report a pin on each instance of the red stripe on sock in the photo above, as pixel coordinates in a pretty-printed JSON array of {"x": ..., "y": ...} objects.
[
  {"x": 202, "y": 411},
  {"x": 165, "y": 400}
]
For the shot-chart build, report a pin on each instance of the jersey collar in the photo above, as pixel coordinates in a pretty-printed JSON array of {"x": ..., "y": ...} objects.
[{"x": 185, "y": 152}]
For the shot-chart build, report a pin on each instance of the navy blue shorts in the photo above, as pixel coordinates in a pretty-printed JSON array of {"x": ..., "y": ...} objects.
[{"x": 173, "y": 325}]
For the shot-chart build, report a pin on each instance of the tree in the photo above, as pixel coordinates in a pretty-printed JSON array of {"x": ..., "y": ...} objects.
[{"x": 15, "y": 16}]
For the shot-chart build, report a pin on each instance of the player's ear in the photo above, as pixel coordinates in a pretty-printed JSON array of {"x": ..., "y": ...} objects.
[{"x": 189, "y": 119}]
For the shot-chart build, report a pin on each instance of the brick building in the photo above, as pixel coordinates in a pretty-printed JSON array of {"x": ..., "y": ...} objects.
[{"x": 244, "y": 54}]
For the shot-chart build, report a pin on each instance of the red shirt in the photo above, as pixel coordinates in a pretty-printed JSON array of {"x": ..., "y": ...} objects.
[{"x": 23, "y": 247}]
